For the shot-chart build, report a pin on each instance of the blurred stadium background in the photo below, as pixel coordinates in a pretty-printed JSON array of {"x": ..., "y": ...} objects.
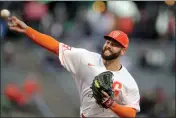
[{"x": 150, "y": 57}]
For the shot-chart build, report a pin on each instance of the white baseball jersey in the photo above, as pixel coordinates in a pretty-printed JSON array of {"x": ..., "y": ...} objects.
[{"x": 85, "y": 65}]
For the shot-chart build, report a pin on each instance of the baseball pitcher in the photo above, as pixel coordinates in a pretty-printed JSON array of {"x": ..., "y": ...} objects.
[{"x": 106, "y": 88}]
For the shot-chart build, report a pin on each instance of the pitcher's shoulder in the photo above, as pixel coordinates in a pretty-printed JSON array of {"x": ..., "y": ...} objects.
[
  {"x": 126, "y": 73},
  {"x": 129, "y": 79}
]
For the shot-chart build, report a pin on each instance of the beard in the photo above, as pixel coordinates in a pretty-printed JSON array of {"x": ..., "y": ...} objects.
[{"x": 112, "y": 56}]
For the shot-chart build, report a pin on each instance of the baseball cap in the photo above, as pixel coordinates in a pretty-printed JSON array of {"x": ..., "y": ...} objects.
[{"x": 119, "y": 36}]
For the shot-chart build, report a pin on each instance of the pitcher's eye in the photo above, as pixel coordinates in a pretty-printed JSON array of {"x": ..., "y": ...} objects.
[
  {"x": 112, "y": 44},
  {"x": 107, "y": 42}
]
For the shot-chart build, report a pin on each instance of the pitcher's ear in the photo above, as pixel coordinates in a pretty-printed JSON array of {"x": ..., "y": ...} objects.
[{"x": 123, "y": 51}]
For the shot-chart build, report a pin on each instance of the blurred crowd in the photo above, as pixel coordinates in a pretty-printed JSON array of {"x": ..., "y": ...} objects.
[
  {"x": 83, "y": 24},
  {"x": 143, "y": 20}
]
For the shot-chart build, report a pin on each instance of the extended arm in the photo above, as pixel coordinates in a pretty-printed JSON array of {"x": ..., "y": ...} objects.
[
  {"x": 43, "y": 40},
  {"x": 69, "y": 57}
]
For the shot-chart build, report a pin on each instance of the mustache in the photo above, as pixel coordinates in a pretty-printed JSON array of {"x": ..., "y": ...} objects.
[{"x": 107, "y": 49}]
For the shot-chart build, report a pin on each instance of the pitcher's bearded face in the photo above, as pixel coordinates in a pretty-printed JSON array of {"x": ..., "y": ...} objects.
[
  {"x": 108, "y": 54},
  {"x": 111, "y": 50}
]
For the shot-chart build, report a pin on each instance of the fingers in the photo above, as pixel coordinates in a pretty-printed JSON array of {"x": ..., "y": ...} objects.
[
  {"x": 11, "y": 24},
  {"x": 11, "y": 19},
  {"x": 15, "y": 24},
  {"x": 16, "y": 29},
  {"x": 14, "y": 20},
  {"x": 105, "y": 93},
  {"x": 13, "y": 28}
]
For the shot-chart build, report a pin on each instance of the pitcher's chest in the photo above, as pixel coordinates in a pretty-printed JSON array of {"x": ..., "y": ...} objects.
[{"x": 90, "y": 69}]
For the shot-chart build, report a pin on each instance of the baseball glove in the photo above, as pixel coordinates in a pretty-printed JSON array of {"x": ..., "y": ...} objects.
[{"x": 102, "y": 89}]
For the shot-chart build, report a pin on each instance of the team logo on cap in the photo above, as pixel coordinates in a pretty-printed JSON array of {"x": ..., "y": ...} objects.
[{"x": 115, "y": 34}]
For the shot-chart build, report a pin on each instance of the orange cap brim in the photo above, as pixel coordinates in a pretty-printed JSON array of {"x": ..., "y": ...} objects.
[{"x": 110, "y": 38}]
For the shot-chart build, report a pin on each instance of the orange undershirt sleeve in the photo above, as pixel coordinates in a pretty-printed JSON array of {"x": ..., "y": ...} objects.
[
  {"x": 122, "y": 111},
  {"x": 43, "y": 40}
]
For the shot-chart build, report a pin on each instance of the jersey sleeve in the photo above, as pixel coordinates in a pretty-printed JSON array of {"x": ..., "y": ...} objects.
[
  {"x": 70, "y": 57},
  {"x": 131, "y": 98}
]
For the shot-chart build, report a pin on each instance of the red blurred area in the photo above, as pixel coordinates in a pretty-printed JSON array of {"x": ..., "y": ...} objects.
[
  {"x": 31, "y": 87},
  {"x": 13, "y": 93},
  {"x": 126, "y": 25},
  {"x": 34, "y": 10}
]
